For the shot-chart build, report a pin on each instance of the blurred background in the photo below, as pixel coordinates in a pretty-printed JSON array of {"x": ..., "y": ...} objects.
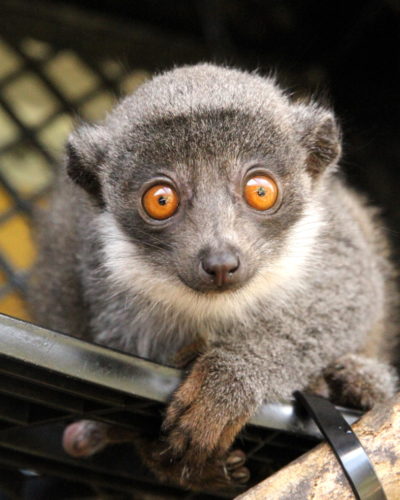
[{"x": 64, "y": 61}]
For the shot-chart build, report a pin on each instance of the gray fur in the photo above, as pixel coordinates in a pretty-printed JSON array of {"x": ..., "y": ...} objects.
[{"x": 316, "y": 280}]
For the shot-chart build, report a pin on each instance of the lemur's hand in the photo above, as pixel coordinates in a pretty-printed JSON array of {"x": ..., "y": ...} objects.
[
  {"x": 205, "y": 415},
  {"x": 356, "y": 381}
]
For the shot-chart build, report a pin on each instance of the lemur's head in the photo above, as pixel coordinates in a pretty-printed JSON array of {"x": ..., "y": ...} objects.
[{"x": 206, "y": 179}]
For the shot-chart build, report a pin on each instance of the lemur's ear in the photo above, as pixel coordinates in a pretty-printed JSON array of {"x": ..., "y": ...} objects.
[
  {"x": 320, "y": 134},
  {"x": 85, "y": 150}
]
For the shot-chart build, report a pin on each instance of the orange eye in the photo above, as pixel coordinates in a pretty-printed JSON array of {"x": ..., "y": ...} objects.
[
  {"x": 261, "y": 192},
  {"x": 160, "y": 201}
]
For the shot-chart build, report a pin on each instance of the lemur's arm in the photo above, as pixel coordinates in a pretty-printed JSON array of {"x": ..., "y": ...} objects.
[{"x": 229, "y": 382}]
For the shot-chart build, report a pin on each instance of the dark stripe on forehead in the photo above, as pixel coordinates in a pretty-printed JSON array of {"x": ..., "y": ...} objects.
[{"x": 203, "y": 134}]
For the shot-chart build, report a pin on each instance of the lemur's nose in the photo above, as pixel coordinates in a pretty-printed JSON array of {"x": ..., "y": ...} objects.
[{"x": 220, "y": 266}]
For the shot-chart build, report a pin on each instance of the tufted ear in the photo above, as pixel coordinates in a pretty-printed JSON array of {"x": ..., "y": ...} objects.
[
  {"x": 320, "y": 134},
  {"x": 85, "y": 149}
]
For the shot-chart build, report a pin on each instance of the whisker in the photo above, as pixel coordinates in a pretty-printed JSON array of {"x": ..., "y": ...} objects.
[{"x": 160, "y": 246}]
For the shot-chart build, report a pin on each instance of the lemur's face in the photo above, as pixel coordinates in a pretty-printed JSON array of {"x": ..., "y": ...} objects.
[
  {"x": 216, "y": 260},
  {"x": 206, "y": 207},
  {"x": 211, "y": 208}
]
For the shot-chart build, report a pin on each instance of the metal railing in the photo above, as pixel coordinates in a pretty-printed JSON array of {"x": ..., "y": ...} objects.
[{"x": 48, "y": 379}]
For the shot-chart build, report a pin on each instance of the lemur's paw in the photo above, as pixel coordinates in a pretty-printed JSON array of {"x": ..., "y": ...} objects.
[
  {"x": 87, "y": 437},
  {"x": 356, "y": 381},
  {"x": 223, "y": 474},
  {"x": 226, "y": 473},
  {"x": 234, "y": 464},
  {"x": 199, "y": 425}
]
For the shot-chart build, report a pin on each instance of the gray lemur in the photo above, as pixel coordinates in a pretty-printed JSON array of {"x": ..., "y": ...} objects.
[{"x": 205, "y": 214}]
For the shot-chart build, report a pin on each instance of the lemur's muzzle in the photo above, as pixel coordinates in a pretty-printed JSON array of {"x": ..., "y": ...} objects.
[{"x": 220, "y": 267}]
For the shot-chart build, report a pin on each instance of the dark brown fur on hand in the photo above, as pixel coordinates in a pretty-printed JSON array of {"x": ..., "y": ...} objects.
[
  {"x": 356, "y": 381},
  {"x": 196, "y": 426},
  {"x": 226, "y": 472}
]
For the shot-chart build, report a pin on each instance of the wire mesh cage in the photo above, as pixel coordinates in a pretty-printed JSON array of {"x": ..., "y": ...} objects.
[
  {"x": 38, "y": 110},
  {"x": 59, "y": 65},
  {"x": 80, "y": 380}
]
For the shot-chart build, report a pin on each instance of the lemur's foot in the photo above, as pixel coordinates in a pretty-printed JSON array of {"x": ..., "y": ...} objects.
[
  {"x": 356, "y": 381},
  {"x": 235, "y": 467},
  {"x": 225, "y": 473},
  {"x": 87, "y": 437}
]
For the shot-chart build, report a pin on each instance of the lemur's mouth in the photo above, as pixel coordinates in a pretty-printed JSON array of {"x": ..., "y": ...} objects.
[{"x": 211, "y": 288}]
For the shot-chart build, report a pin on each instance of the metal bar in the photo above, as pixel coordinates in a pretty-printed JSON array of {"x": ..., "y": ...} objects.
[
  {"x": 11, "y": 386},
  {"x": 123, "y": 373},
  {"x": 85, "y": 361}
]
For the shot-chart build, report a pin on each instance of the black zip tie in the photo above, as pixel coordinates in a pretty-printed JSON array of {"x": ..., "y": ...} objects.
[{"x": 345, "y": 445}]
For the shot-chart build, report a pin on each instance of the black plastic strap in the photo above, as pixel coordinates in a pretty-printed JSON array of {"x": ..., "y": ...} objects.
[{"x": 346, "y": 446}]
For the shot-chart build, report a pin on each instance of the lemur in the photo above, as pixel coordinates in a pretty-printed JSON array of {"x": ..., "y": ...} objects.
[{"x": 206, "y": 214}]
